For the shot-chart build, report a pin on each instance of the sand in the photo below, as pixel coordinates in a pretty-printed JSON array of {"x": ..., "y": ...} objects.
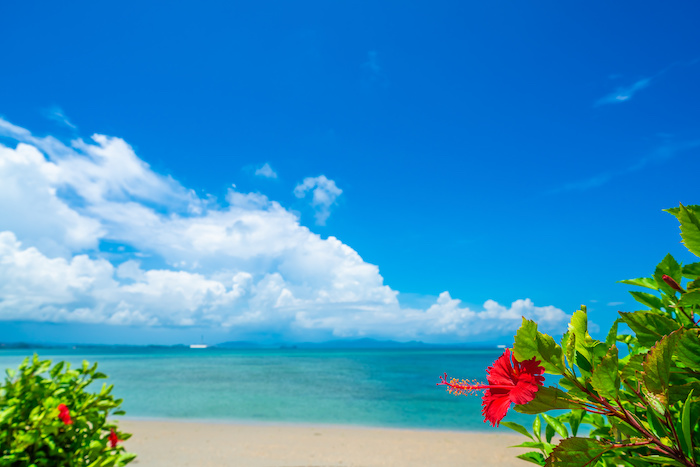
[{"x": 177, "y": 443}]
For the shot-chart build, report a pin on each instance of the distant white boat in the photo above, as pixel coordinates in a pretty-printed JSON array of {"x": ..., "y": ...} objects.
[
  {"x": 199, "y": 346},
  {"x": 501, "y": 346}
]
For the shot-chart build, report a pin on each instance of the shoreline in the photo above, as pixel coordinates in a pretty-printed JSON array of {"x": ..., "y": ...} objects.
[
  {"x": 302, "y": 424},
  {"x": 185, "y": 443}
]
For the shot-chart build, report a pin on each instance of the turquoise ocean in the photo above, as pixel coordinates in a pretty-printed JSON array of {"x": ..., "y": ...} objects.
[{"x": 382, "y": 388}]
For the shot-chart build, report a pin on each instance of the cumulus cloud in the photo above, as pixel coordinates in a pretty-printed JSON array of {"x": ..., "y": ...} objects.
[
  {"x": 266, "y": 171},
  {"x": 324, "y": 193},
  {"x": 247, "y": 265}
]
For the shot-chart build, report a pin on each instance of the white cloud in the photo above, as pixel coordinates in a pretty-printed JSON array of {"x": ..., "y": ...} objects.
[
  {"x": 266, "y": 171},
  {"x": 624, "y": 93},
  {"x": 324, "y": 193},
  {"x": 248, "y": 266}
]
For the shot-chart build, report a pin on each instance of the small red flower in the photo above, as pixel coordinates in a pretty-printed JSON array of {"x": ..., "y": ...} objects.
[
  {"x": 64, "y": 414},
  {"x": 113, "y": 439},
  {"x": 508, "y": 383}
]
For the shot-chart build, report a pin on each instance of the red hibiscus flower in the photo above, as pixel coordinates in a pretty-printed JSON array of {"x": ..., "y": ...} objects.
[
  {"x": 508, "y": 383},
  {"x": 64, "y": 414},
  {"x": 113, "y": 439}
]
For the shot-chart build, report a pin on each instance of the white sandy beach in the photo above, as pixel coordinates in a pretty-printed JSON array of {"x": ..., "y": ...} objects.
[{"x": 180, "y": 444}]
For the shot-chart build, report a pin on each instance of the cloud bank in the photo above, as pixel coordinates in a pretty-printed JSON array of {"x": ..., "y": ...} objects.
[{"x": 90, "y": 234}]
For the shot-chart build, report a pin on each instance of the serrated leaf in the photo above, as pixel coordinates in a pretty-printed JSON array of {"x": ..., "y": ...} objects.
[
  {"x": 529, "y": 342},
  {"x": 525, "y": 345},
  {"x": 606, "y": 377},
  {"x": 687, "y": 349},
  {"x": 557, "y": 425},
  {"x": 611, "y": 338},
  {"x": 670, "y": 267},
  {"x": 532, "y": 456},
  {"x": 577, "y": 452},
  {"x": 547, "y": 398},
  {"x": 517, "y": 427},
  {"x": 690, "y": 228},
  {"x": 657, "y": 365},
  {"x": 647, "y": 282},
  {"x": 537, "y": 427},
  {"x": 649, "y": 327},
  {"x": 652, "y": 301},
  {"x": 568, "y": 343},
  {"x": 550, "y": 353}
]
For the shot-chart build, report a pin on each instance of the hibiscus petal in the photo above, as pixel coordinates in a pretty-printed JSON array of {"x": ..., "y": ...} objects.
[
  {"x": 501, "y": 372},
  {"x": 496, "y": 405}
]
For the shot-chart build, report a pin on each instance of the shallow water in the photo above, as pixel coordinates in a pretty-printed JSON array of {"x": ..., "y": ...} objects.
[{"x": 391, "y": 388}]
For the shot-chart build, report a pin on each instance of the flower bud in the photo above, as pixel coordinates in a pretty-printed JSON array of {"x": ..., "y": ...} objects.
[{"x": 672, "y": 283}]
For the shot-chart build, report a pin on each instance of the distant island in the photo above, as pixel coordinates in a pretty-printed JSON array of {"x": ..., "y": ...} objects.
[{"x": 339, "y": 344}]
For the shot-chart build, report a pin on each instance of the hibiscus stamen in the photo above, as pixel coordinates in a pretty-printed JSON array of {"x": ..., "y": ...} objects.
[{"x": 464, "y": 387}]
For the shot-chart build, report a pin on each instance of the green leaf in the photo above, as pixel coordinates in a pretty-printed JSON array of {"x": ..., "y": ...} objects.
[
  {"x": 575, "y": 417},
  {"x": 690, "y": 299},
  {"x": 525, "y": 345},
  {"x": 532, "y": 456},
  {"x": 557, "y": 425},
  {"x": 652, "y": 301},
  {"x": 611, "y": 338},
  {"x": 577, "y": 452},
  {"x": 670, "y": 267},
  {"x": 647, "y": 282},
  {"x": 568, "y": 342},
  {"x": 537, "y": 427},
  {"x": 663, "y": 460},
  {"x": 549, "y": 433},
  {"x": 547, "y": 398},
  {"x": 551, "y": 354},
  {"x": 517, "y": 427},
  {"x": 530, "y": 444},
  {"x": 692, "y": 270},
  {"x": 531, "y": 343},
  {"x": 653, "y": 419},
  {"x": 687, "y": 424},
  {"x": 688, "y": 348},
  {"x": 606, "y": 377},
  {"x": 690, "y": 228},
  {"x": 649, "y": 327},
  {"x": 657, "y": 365},
  {"x": 679, "y": 392}
]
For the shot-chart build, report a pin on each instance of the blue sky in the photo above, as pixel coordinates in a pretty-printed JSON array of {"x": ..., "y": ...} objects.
[{"x": 316, "y": 170}]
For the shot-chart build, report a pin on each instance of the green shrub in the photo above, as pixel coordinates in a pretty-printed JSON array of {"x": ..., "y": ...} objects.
[
  {"x": 639, "y": 407},
  {"x": 49, "y": 418}
]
